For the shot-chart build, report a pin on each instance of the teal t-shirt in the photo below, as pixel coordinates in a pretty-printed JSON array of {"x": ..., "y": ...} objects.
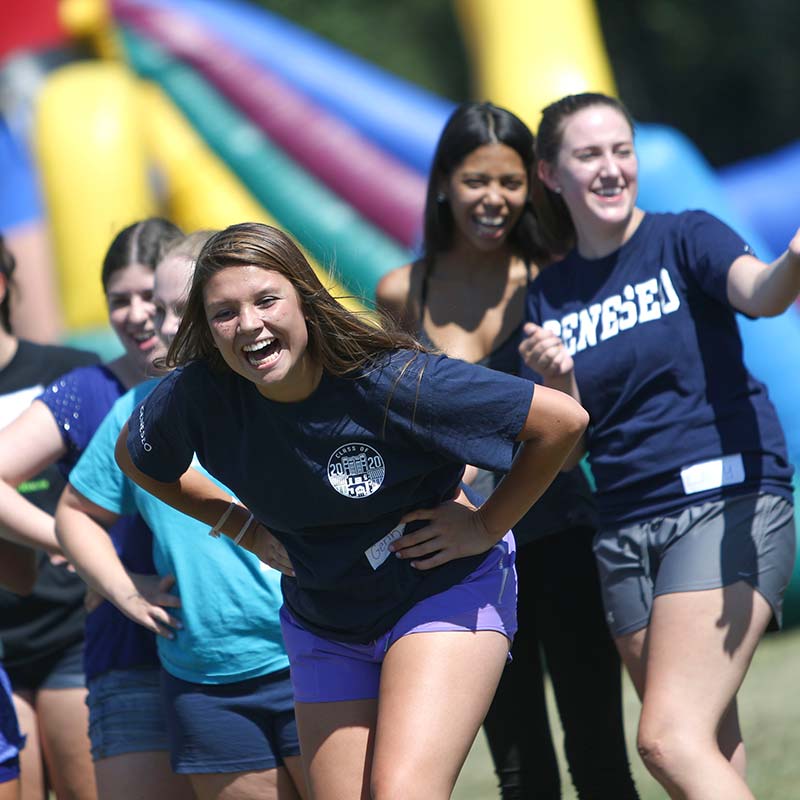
[{"x": 229, "y": 599}]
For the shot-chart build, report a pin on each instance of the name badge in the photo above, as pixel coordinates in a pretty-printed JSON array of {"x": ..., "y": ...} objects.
[
  {"x": 725, "y": 471},
  {"x": 380, "y": 551}
]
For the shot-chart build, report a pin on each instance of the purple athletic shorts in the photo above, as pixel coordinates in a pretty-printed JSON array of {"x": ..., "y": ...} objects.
[{"x": 325, "y": 671}]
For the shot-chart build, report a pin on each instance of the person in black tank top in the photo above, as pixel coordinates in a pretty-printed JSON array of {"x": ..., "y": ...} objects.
[{"x": 465, "y": 297}]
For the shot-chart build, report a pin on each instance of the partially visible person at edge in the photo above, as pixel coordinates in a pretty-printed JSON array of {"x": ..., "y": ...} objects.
[
  {"x": 341, "y": 437},
  {"x": 18, "y": 575},
  {"x": 694, "y": 489},
  {"x": 48, "y": 665},
  {"x": 224, "y": 665},
  {"x": 465, "y": 296}
]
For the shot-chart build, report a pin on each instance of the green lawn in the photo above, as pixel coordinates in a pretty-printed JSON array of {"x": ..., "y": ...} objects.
[{"x": 770, "y": 710}]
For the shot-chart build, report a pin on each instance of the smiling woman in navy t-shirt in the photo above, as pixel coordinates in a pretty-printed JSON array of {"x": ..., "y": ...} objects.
[
  {"x": 693, "y": 483},
  {"x": 340, "y": 437}
]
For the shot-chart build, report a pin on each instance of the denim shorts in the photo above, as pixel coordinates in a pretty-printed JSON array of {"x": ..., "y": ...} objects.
[
  {"x": 126, "y": 713},
  {"x": 11, "y": 740},
  {"x": 325, "y": 671},
  {"x": 747, "y": 538},
  {"x": 230, "y": 727}
]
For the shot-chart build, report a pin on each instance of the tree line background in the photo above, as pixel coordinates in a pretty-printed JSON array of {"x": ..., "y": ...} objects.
[{"x": 724, "y": 72}]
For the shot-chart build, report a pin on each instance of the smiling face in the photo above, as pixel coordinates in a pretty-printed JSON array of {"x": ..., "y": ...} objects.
[
  {"x": 487, "y": 194},
  {"x": 596, "y": 173},
  {"x": 129, "y": 294},
  {"x": 258, "y": 325}
]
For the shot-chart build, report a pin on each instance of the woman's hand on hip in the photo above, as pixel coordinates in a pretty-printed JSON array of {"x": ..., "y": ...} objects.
[{"x": 263, "y": 544}]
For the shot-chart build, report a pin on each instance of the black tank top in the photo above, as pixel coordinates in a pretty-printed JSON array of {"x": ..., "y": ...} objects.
[{"x": 568, "y": 503}]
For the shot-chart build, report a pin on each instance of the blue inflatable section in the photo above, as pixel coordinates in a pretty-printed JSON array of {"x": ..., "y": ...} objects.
[
  {"x": 766, "y": 192},
  {"x": 398, "y": 116},
  {"x": 19, "y": 192}
]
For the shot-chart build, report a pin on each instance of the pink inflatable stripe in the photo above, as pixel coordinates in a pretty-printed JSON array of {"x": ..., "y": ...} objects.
[{"x": 381, "y": 188}]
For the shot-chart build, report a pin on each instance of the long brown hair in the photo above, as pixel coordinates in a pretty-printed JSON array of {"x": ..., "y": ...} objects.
[{"x": 341, "y": 341}]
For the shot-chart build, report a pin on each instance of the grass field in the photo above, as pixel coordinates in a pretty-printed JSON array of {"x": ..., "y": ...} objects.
[{"x": 769, "y": 705}]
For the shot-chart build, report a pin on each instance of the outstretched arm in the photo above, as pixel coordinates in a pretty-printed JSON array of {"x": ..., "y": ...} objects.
[
  {"x": 554, "y": 424},
  {"x": 765, "y": 290}
]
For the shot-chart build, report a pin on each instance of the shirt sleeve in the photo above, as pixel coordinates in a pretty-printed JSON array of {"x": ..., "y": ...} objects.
[
  {"x": 465, "y": 412},
  {"x": 710, "y": 247},
  {"x": 96, "y": 475},
  {"x": 159, "y": 441}
]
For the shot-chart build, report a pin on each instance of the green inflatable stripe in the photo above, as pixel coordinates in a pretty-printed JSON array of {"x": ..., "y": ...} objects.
[{"x": 357, "y": 253}]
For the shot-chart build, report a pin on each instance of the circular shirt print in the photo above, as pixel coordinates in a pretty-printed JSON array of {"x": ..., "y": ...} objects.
[{"x": 356, "y": 470}]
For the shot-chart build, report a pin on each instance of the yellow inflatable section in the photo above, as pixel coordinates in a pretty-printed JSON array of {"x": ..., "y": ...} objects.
[
  {"x": 202, "y": 191},
  {"x": 93, "y": 166},
  {"x": 528, "y": 53}
]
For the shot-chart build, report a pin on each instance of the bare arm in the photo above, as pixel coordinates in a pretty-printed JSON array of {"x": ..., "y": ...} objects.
[
  {"x": 554, "y": 424},
  {"x": 28, "y": 445},
  {"x": 143, "y": 598},
  {"x": 545, "y": 354},
  {"x": 17, "y": 567},
  {"x": 765, "y": 290},
  {"x": 201, "y": 498}
]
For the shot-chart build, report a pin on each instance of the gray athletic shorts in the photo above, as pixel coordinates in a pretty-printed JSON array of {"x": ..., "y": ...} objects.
[{"x": 746, "y": 538}]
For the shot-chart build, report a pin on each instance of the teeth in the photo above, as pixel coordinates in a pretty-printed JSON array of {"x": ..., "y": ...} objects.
[
  {"x": 490, "y": 222},
  {"x": 610, "y": 191},
  {"x": 141, "y": 337},
  {"x": 250, "y": 348}
]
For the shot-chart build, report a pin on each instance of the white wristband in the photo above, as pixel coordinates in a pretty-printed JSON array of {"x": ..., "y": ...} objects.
[
  {"x": 215, "y": 531},
  {"x": 244, "y": 529}
]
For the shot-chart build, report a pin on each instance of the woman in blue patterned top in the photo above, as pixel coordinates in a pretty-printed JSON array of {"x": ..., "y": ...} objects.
[
  {"x": 54, "y": 430},
  {"x": 694, "y": 486}
]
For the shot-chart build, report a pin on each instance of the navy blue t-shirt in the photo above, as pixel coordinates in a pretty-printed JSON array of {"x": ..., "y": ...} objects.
[
  {"x": 332, "y": 475},
  {"x": 676, "y": 419}
]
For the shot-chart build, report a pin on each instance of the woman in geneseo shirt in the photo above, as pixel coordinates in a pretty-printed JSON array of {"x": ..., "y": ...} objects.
[
  {"x": 340, "y": 437},
  {"x": 693, "y": 484}
]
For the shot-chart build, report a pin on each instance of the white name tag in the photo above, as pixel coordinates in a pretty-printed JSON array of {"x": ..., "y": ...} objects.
[
  {"x": 725, "y": 471},
  {"x": 380, "y": 551}
]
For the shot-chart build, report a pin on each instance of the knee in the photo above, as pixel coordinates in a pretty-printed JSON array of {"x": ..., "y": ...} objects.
[{"x": 667, "y": 750}]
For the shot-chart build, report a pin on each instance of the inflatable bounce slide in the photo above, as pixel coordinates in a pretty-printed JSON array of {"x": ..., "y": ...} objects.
[{"x": 214, "y": 111}]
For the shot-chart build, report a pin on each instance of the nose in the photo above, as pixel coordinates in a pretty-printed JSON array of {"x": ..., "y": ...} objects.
[
  {"x": 493, "y": 195},
  {"x": 609, "y": 165},
  {"x": 249, "y": 319},
  {"x": 141, "y": 310}
]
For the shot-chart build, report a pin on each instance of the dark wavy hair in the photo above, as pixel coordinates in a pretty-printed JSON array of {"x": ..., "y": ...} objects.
[
  {"x": 554, "y": 217},
  {"x": 341, "y": 341},
  {"x": 470, "y": 126},
  {"x": 144, "y": 242},
  {"x": 7, "y": 266}
]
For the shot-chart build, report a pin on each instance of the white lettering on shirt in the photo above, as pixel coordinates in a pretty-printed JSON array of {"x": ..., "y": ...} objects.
[{"x": 637, "y": 304}]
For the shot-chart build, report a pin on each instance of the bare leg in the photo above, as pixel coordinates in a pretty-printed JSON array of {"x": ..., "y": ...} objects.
[
  {"x": 291, "y": 780},
  {"x": 140, "y": 776},
  {"x": 10, "y": 790},
  {"x": 336, "y": 742},
  {"x": 30, "y": 757},
  {"x": 698, "y": 648},
  {"x": 435, "y": 691},
  {"x": 63, "y": 729}
]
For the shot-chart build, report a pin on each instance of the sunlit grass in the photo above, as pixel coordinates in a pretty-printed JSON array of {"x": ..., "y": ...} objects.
[{"x": 769, "y": 705}]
